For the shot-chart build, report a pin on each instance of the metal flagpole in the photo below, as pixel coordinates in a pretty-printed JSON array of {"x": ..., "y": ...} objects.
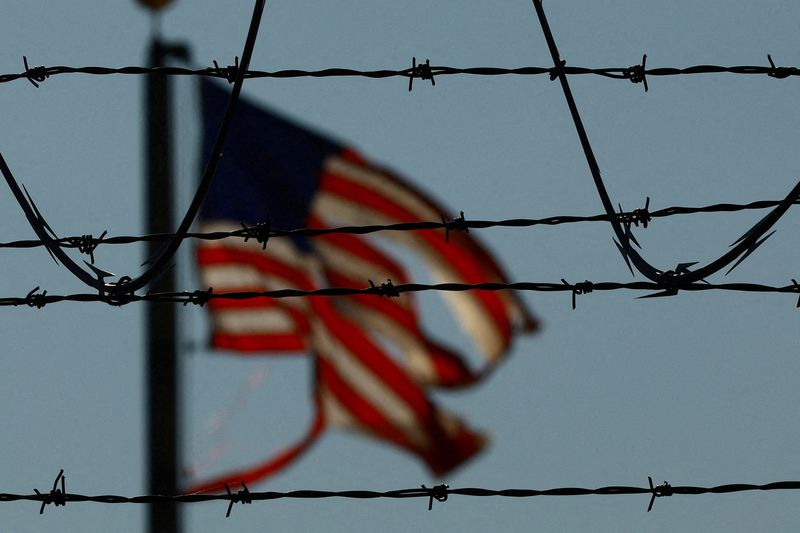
[{"x": 162, "y": 361}]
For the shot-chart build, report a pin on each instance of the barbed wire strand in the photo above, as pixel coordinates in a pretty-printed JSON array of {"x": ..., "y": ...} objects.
[
  {"x": 60, "y": 497},
  {"x": 37, "y": 299},
  {"x": 634, "y": 73},
  {"x": 639, "y": 217}
]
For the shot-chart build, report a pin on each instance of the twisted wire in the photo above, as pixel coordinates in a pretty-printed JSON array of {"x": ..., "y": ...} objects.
[
  {"x": 635, "y": 73},
  {"x": 87, "y": 243},
  {"x": 388, "y": 289},
  {"x": 441, "y": 493}
]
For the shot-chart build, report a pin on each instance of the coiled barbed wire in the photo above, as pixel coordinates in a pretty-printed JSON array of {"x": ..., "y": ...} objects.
[{"x": 157, "y": 265}]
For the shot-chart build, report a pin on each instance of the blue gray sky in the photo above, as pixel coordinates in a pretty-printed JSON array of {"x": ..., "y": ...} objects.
[{"x": 694, "y": 389}]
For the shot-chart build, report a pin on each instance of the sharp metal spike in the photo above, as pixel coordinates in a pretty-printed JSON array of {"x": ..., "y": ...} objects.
[
  {"x": 153, "y": 257},
  {"x": 39, "y": 216},
  {"x": 631, "y": 236},
  {"x": 624, "y": 256},
  {"x": 793, "y": 281},
  {"x": 749, "y": 232},
  {"x": 99, "y": 272},
  {"x": 668, "y": 292},
  {"x": 52, "y": 255},
  {"x": 750, "y": 251},
  {"x": 40, "y": 219}
]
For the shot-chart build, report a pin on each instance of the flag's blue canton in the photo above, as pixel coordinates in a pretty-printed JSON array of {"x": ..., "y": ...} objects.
[{"x": 270, "y": 167}]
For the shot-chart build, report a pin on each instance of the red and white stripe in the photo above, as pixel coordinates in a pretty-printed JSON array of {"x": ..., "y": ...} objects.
[
  {"x": 348, "y": 261},
  {"x": 259, "y": 324},
  {"x": 365, "y": 389},
  {"x": 352, "y": 192}
]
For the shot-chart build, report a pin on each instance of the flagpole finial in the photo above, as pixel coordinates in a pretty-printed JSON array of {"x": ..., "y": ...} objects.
[{"x": 154, "y": 5}]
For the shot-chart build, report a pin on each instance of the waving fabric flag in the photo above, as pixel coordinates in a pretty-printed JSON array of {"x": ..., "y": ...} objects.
[{"x": 275, "y": 170}]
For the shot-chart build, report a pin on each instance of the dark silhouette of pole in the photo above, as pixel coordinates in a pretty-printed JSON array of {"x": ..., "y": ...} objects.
[{"x": 162, "y": 347}]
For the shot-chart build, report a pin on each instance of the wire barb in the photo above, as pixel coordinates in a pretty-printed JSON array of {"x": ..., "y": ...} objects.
[
  {"x": 665, "y": 489},
  {"x": 386, "y": 289},
  {"x": 780, "y": 72},
  {"x": 438, "y": 493},
  {"x": 624, "y": 253},
  {"x": 638, "y": 73},
  {"x": 627, "y": 222},
  {"x": 260, "y": 232},
  {"x": 670, "y": 281},
  {"x": 35, "y": 74},
  {"x": 86, "y": 244},
  {"x": 422, "y": 71},
  {"x": 33, "y": 299},
  {"x": 56, "y": 496},
  {"x": 638, "y": 216},
  {"x": 749, "y": 250},
  {"x": 242, "y": 496},
  {"x": 458, "y": 223},
  {"x": 230, "y": 72},
  {"x": 585, "y": 287},
  {"x": 555, "y": 72},
  {"x": 199, "y": 297}
]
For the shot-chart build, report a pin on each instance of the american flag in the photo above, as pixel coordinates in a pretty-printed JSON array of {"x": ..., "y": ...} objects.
[{"x": 277, "y": 170}]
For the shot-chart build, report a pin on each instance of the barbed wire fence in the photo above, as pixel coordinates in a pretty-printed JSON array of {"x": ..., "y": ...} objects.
[
  {"x": 58, "y": 495},
  {"x": 237, "y": 73},
  {"x": 388, "y": 289},
  {"x": 263, "y": 232},
  {"x": 422, "y": 71},
  {"x": 661, "y": 282}
]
